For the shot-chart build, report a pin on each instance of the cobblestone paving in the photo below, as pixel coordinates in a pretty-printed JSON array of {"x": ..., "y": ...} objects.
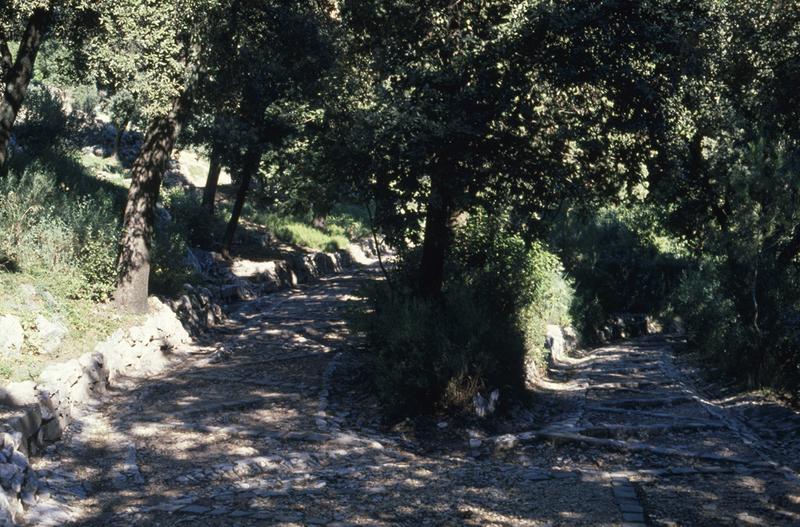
[{"x": 269, "y": 423}]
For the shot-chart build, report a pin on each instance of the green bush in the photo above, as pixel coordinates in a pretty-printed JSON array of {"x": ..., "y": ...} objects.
[
  {"x": 200, "y": 228},
  {"x": 620, "y": 263},
  {"x": 713, "y": 327},
  {"x": 85, "y": 99},
  {"x": 762, "y": 352},
  {"x": 296, "y": 232},
  {"x": 350, "y": 221},
  {"x": 49, "y": 228},
  {"x": 500, "y": 294},
  {"x": 169, "y": 267}
]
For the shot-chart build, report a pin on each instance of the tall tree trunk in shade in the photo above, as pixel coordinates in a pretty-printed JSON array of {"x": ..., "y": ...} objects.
[
  {"x": 437, "y": 238},
  {"x": 250, "y": 165},
  {"x": 118, "y": 138},
  {"x": 139, "y": 221},
  {"x": 17, "y": 77},
  {"x": 210, "y": 190}
]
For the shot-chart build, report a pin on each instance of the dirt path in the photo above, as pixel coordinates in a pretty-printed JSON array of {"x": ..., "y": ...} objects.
[{"x": 269, "y": 424}]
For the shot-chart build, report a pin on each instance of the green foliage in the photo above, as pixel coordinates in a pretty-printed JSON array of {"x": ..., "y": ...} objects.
[
  {"x": 621, "y": 263},
  {"x": 122, "y": 107},
  {"x": 85, "y": 98},
  {"x": 714, "y": 329},
  {"x": 491, "y": 320},
  {"x": 170, "y": 269},
  {"x": 50, "y": 227},
  {"x": 199, "y": 227},
  {"x": 350, "y": 221},
  {"x": 300, "y": 233}
]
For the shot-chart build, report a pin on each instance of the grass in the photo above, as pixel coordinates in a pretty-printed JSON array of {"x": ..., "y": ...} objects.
[
  {"x": 297, "y": 232},
  {"x": 58, "y": 225},
  {"x": 28, "y": 295},
  {"x": 106, "y": 168}
]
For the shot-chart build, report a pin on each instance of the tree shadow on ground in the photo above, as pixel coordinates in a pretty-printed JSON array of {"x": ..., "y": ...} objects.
[
  {"x": 200, "y": 432},
  {"x": 248, "y": 430}
]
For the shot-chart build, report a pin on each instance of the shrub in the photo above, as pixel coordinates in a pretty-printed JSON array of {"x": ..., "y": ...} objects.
[
  {"x": 85, "y": 99},
  {"x": 620, "y": 263},
  {"x": 499, "y": 296},
  {"x": 762, "y": 354},
  {"x": 199, "y": 227},
  {"x": 51, "y": 229},
  {"x": 350, "y": 221},
  {"x": 169, "y": 266},
  {"x": 713, "y": 327},
  {"x": 298, "y": 233}
]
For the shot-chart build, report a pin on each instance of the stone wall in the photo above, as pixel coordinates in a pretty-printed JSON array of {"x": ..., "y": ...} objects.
[{"x": 34, "y": 413}]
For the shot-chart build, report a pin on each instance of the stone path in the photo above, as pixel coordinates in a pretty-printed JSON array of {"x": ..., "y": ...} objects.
[{"x": 271, "y": 422}]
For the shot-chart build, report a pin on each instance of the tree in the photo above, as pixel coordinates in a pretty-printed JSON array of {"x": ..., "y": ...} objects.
[
  {"x": 731, "y": 138},
  {"x": 270, "y": 84},
  {"x": 507, "y": 104},
  {"x": 16, "y": 72},
  {"x": 161, "y": 73}
]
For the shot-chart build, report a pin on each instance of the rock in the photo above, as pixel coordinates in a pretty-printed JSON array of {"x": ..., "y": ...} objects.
[
  {"x": 28, "y": 292},
  {"x": 475, "y": 442},
  {"x": 358, "y": 255},
  {"x": 18, "y": 394},
  {"x": 554, "y": 341},
  {"x": 484, "y": 407},
  {"x": 240, "y": 292},
  {"x": 12, "y": 335},
  {"x": 101, "y": 151},
  {"x": 49, "y": 334},
  {"x": 19, "y": 459},
  {"x": 8, "y": 509},
  {"x": 27, "y": 424},
  {"x": 570, "y": 338},
  {"x": 8, "y": 471}
]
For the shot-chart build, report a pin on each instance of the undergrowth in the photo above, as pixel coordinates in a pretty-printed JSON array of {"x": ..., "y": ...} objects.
[{"x": 489, "y": 323}]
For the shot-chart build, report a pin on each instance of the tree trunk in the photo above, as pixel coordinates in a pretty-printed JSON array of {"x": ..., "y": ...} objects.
[
  {"x": 6, "y": 60},
  {"x": 438, "y": 234},
  {"x": 210, "y": 190},
  {"x": 139, "y": 220},
  {"x": 118, "y": 138},
  {"x": 250, "y": 165},
  {"x": 18, "y": 77}
]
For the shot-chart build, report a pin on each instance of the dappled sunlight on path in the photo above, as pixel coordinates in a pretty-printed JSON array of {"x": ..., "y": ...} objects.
[{"x": 269, "y": 422}]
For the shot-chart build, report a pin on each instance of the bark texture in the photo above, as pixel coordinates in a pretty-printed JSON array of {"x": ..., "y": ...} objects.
[
  {"x": 212, "y": 181},
  {"x": 139, "y": 220},
  {"x": 438, "y": 234},
  {"x": 250, "y": 165}
]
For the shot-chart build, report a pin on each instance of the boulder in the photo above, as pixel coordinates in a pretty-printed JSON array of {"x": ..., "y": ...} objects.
[
  {"x": 570, "y": 338},
  {"x": 18, "y": 394},
  {"x": 554, "y": 341},
  {"x": 49, "y": 335},
  {"x": 12, "y": 335}
]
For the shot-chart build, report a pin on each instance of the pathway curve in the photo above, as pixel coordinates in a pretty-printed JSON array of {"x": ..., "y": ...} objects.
[
  {"x": 268, "y": 423},
  {"x": 672, "y": 454}
]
